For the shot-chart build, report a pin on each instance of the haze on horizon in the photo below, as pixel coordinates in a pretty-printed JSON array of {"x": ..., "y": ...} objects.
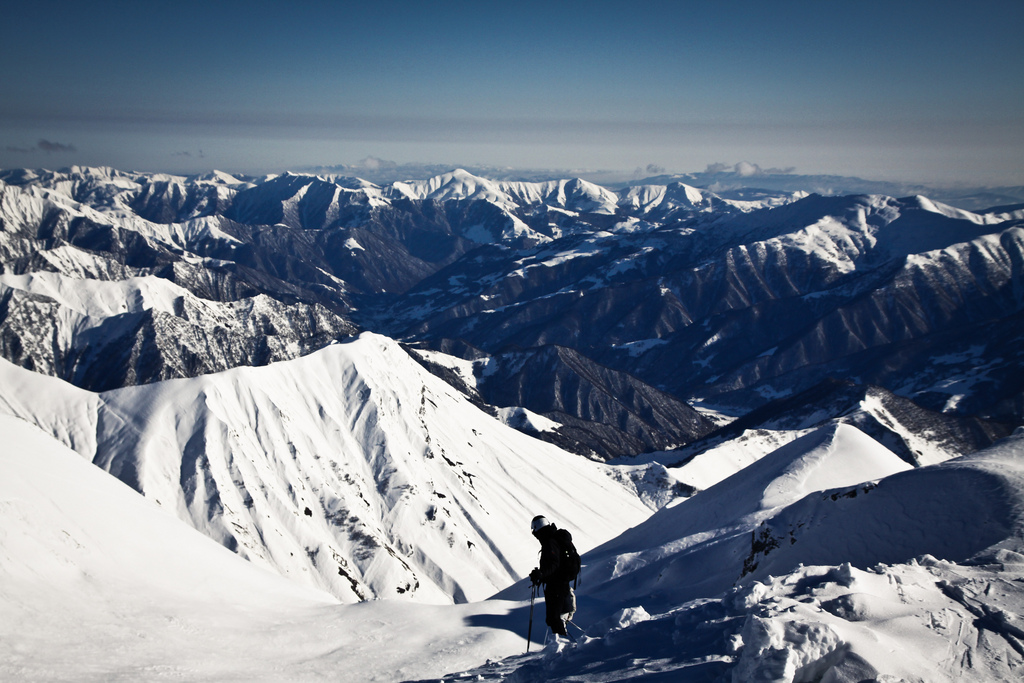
[{"x": 926, "y": 92}]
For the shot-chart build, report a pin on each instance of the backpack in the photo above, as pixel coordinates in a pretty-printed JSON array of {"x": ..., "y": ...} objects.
[{"x": 569, "y": 557}]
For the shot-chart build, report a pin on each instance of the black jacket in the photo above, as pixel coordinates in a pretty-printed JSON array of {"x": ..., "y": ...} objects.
[{"x": 550, "y": 555}]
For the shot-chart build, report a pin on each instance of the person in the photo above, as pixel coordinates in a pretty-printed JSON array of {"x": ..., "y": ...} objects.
[{"x": 552, "y": 574}]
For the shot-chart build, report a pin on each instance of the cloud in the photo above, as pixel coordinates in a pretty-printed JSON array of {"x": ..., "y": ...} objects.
[
  {"x": 59, "y": 147},
  {"x": 375, "y": 164},
  {"x": 648, "y": 171},
  {"x": 188, "y": 154},
  {"x": 746, "y": 169},
  {"x": 43, "y": 146}
]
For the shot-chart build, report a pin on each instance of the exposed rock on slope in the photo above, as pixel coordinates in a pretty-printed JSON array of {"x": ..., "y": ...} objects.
[{"x": 584, "y": 397}]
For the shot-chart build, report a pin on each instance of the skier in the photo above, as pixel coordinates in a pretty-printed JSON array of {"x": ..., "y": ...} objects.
[{"x": 559, "y": 564}]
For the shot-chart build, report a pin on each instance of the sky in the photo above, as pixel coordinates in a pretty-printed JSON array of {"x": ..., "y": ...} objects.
[{"x": 915, "y": 91}]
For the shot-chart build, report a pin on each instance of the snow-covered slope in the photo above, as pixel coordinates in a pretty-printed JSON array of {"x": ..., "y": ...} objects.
[
  {"x": 812, "y": 501},
  {"x": 99, "y": 584},
  {"x": 930, "y": 587},
  {"x": 956, "y": 510},
  {"x": 66, "y": 521},
  {"x": 353, "y": 470},
  {"x": 915, "y": 577},
  {"x": 925, "y": 620},
  {"x": 833, "y": 456}
]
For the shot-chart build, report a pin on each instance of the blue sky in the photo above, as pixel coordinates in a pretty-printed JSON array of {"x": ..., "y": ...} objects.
[{"x": 926, "y": 91}]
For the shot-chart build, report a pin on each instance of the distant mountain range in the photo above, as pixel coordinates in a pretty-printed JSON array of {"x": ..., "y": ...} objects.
[
  {"x": 739, "y": 181},
  {"x": 612, "y": 313},
  {"x": 746, "y": 180}
]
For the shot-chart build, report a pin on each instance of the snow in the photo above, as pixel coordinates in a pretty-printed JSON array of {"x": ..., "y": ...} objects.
[
  {"x": 101, "y": 298},
  {"x": 849, "y": 592},
  {"x": 527, "y": 420},
  {"x": 573, "y": 195},
  {"x": 906, "y": 622},
  {"x": 352, "y": 470},
  {"x": 463, "y": 368},
  {"x": 101, "y": 584},
  {"x": 216, "y": 177},
  {"x": 478, "y": 233},
  {"x": 933, "y": 206},
  {"x": 458, "y": 184},
  {"x": 715, "y": 464},
  {"x": 640, "y": 347},
  {"x": 836, "y": 455}
]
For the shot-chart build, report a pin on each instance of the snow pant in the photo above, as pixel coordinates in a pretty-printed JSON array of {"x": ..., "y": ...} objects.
[{"x": 557, "y": 601}]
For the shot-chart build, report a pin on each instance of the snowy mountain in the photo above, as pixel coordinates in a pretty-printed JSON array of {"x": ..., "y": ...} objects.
[
  {"x": 101, "y": 584},
  {"x": 746, "y": 180},
  {"x": 781, "y": 424},
  {"x": 669, "y": 293},
  {"x": 790, "y": 570},
  {"x": 747, "y": 308},
  {"x": 283, "y": 264},
  {"x": 352, "y": 470}
]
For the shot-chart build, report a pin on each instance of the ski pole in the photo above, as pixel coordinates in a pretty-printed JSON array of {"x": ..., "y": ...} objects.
[{"x": 529, "y": 630}]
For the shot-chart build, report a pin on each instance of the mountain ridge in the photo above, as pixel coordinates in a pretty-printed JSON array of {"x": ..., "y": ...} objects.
[
  {"x": 829, "y": 286},
  {"x": 351, "y": 469}
]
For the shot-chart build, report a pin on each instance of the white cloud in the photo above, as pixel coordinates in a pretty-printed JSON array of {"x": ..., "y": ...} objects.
[{"x": 747, "y": 169}]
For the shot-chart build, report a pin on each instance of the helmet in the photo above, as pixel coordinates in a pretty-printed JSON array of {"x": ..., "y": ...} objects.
[{"x": 539, "y": 522}]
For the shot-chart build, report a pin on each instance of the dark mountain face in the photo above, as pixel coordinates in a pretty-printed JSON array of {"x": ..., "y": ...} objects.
[
  {"x": 776, "y": 315},
  {"x": 604, "y": 311},
  {"x": 560, "y": 383},
  {"x": 167, "y": 201}
]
